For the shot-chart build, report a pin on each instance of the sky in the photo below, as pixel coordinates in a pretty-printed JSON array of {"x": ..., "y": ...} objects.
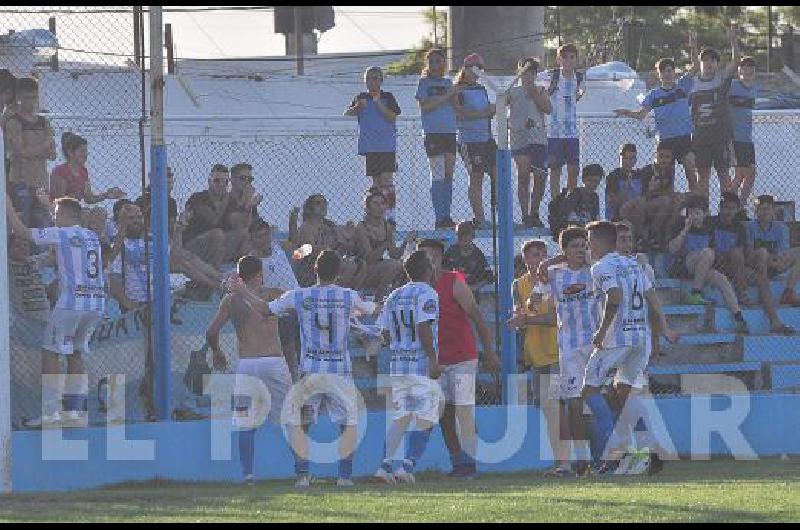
[{"x": 224, "y": 33}]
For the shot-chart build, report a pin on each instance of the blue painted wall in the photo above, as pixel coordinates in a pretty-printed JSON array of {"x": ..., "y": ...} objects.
[{"x": 183, "y": 450}]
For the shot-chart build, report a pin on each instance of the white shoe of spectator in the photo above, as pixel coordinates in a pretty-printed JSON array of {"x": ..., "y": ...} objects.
[
  {"x": 45, "y": 421},
  {"x": 344, "y": 483},
  {"x": 76, "y": 418},
  {"x": 303, "y": 482}
]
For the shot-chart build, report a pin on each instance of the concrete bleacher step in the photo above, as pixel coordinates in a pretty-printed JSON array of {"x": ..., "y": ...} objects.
[
  {"x": 702, "y": 348},
  {"x": 785, "y": 376},
  {"x": 756, "y": 319},
  {"x": 689, "y": 318},
  {"x": 771, "y": 348}
]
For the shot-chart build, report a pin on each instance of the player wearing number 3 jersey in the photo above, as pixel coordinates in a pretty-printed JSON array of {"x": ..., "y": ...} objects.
[{"x": 80, "y": 307}]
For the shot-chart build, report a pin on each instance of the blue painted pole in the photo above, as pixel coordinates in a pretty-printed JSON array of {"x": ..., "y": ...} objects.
[
  {"x": 162, "y": 340},
  {"x": 505, "y": 248}
]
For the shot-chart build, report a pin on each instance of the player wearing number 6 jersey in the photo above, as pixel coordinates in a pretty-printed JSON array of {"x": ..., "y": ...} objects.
[
  {"x": 324, "y": 311},
  {"x": 621, "y": 340},
  {"x": 79, "y": 308},
  {"x": 410, "y": 319}
]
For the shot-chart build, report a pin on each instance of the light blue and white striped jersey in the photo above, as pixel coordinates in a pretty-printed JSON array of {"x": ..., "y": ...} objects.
[
  {"x": 135, "y": 268},
  {"x": 408, "y": 306},
  {"x": 577, "y": 305},
  {"x": 324, "y": 314},
  {"x": 630, "y": 326},
  {"x": 80, "y": 266},
  {"x": 564, "y": 103}
]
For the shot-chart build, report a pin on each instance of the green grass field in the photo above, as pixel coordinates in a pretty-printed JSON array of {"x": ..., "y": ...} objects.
[{"x": 718, "y": 491}]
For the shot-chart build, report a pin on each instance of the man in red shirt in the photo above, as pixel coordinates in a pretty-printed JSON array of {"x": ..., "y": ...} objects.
[{"x": 458, "y": 358}]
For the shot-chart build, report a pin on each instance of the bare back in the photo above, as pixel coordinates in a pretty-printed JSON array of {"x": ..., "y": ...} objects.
[{"x": 257, "y": 336}]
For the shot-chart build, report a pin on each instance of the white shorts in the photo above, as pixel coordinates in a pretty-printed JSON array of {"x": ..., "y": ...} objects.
[
  {"x": 458, "y": 382},
  {"x": 335, "y": 393},
  {"x": 630, "y": 362},
  {"x": 70, "y": 330},
  {"x": 642, "y": 380},
  {"x": 249, "y": 400},
  {"x": 573, "y": 370},
  {"x": 417, "y": 395}
]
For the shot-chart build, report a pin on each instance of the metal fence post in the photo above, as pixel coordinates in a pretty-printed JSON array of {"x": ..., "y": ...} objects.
[
  {"x": 5, "y": 343},
  {"x": 505, "y": 221},
  {"x": 158, "y": 182}
]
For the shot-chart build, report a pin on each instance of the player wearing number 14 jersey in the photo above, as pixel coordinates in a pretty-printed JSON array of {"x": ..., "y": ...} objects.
[
  {"x": 410, "y": 318},
  {"x": 80, "y": 307}
]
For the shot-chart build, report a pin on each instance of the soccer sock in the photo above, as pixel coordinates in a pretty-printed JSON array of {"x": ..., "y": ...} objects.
[
  {"x": 76, "y": 390},
  {"x": 418, "y": 441},
  {"x": 345, "y": 467},
  {"x": 247, "y": 449},
  {"x": 603, "y": 417}
]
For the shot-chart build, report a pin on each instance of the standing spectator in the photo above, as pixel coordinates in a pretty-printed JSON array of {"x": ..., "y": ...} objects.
[
  {"x": 436, "y": 97},
  {"x": 741, "y": 100},
  {"x": 377, "y": 112},
  {"x": 670, "y": 105},
  {"x": 624, "y": 184},
  {"x": 476, "y": 144},
  {"x": 207, "y": 234},
  {"x": 579, "y": 206},
  {"x": 692, "y": 252},
  {"x": 730, "y": 247},
  {"x": 244, "y": 200},
  {"x": 375, "y": 238},
  {"x": 71, "y": 179},
  {"x": 567, "y": 87},
  {"x": 528, "y": 105},
  {"x": 537, "y": 319},
  {"x": 465, "y": 256},
  {"x": 128, "y": 275},
  {"x": 31, "y": 145},
  {"x": 769, "y": 241},
  {"x": 711, "y": 124}
]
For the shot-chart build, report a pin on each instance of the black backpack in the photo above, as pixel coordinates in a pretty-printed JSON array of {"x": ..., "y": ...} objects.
[{"x": 555, "y": 76}]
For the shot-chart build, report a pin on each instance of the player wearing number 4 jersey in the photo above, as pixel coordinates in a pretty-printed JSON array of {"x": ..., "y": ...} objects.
[
  {"x": 410, "y": 320},
  {"x": 79, "y": 308},
  {"x": 324, "y": 312},
  {"x": 621, "y": 340}
]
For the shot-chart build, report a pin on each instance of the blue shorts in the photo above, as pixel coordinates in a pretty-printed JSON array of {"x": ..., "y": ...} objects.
[
  {"x": 536, "y": 153},
  {"x": 562, "y": 151}
]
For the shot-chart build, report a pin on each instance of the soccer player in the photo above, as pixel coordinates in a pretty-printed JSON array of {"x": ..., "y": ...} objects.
[
  {"x": 79, "y": 308},
  {"x": 528, "y": 105},
  {"x": 260, "y": 356},
  {"x": 128, "y": 274},
  {"x": 377, "y": 112},
  {"x": 540, "y": 351},
  {"x": 627, "y": 293},
  {"x": 711, "y": 127},
  {"x": 437, "y": 97},
  {"x": 567, "y": 87},
  {"x": 324, "y": 312},
  {"x": 411, "y": 319},
  {"x": 741, "y": 100},
  {"x": 476, "y": 144},
  {"x": 670, "y": 106},
  {"x": 458, "y": 357}
]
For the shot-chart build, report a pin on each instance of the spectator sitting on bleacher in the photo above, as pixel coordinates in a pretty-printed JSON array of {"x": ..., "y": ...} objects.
[
  {"x": 143, "y": 202},
  {"x": 29, "y": 139},
  {"x": 71, "y": 179},
  {"x": 208, "y": 234},
  {"x": 730, "y": 243},
  {"x": 692, "y": 252},
  {"x": 182, "y": 261},
  {"x": 375, "y": 238},
  {"x": 623, "y": 184},
  {"x": 465, "y": 256},
  {"x": 661, "y": 206},
  {"x": 244, "y": 200},
  {"x": 769, "y": 240},
  {"x": 578, "y": 206}
]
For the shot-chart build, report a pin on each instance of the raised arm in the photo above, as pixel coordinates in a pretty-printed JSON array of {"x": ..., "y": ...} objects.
[{"x": 732, "y": 68}]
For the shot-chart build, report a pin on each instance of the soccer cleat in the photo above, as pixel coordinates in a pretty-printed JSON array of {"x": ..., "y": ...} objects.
[
  {"x": 656, "y": 465},
  {"x": 303, "y": 482},
  {"x": 606, "y": 467},
  {"x": 385, "y": 476},
  {"x": 401, "y": 475},
  {"x": 639, "y": 463},
  {"x": 696, "y": 299},
  {"x": 583, "y": 469},
  {"x": 626, "y": 463},
  {"x": 558, "y": 472},
  {"x": 344, "y": 483},
  {"x": 250, "y": 480}
]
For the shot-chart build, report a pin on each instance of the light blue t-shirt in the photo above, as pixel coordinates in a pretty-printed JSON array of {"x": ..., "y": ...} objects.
[
  {"x": 775, "y": 238},
  {"x": 442, "y": 119},
  {"x": 671, "y": 109},
  {"x": 741, "y": 100},
  {"x": 376, "y": 134},
  {"x": 474, "y": 98}
]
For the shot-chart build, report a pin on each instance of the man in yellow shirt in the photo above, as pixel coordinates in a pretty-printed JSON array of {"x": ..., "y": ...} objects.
[{"x": 540, "y": 352}]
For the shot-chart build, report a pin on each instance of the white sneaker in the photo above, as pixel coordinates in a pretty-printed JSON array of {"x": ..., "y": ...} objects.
[
  {"x": 625, "y": 464},
  {"x": 250, "y": 480},
  {"x": 76, "y": 418},
  {"x": 303, "y": 482},
  {"x": 401, "y": 475},
  {"x": 46, "y": 421},
  {"x": 385, "y": 476},
  {"x": 344, "y": 483}
]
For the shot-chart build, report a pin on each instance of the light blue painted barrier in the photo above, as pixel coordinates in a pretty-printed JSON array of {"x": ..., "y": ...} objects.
[
  {"x": 785, "y": 376},
  {"x": 182, "y": 450},
  {"x": 772, "y": 348}
]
